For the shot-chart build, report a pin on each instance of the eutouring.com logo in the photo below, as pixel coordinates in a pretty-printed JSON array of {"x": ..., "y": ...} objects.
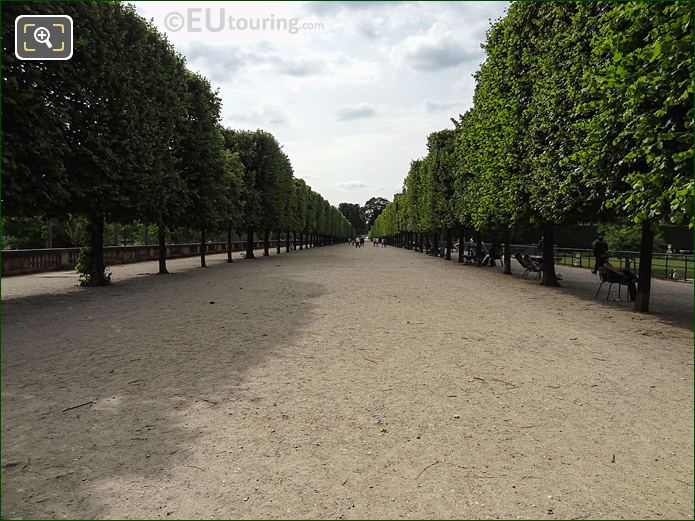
[{"x": 197, "y": 20}]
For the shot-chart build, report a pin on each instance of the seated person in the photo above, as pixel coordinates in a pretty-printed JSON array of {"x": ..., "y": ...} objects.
[
  {"x": 529, "y": 262},
  {"x": 492, "y": 255},
  {"x": 535, "y": 262},
  {"x": 625, "y": 276}
]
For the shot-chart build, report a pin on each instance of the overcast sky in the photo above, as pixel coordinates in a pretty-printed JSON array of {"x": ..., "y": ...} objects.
[{"x": 352, "y": 100}]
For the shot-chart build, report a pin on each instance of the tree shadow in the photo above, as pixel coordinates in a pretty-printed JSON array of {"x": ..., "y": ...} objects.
[
  {"x": 671, "y": 302},
  {"x": 138, "y": 361}
]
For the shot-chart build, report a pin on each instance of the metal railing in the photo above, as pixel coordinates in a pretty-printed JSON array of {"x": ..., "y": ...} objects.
[{"x": 675, "y": 266}]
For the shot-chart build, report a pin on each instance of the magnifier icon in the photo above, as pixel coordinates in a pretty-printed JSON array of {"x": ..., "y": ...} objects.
[{"x": 42, "y": 35}]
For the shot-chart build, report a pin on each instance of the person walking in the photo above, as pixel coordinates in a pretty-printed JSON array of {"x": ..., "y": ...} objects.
[{"x": 600, "y": 253}]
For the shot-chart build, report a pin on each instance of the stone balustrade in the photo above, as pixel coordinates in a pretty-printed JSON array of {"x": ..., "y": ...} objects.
[{"x": 17, "y": 262}]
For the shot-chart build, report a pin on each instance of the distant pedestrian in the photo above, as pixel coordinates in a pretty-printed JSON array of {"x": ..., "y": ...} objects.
[
  {"x": 375, "y": 241},
  {"x": 361, "y": 241},
  {"x": 600, "y": 252},
  {"x": 383, "y": 243},
  {"x": 357, "y": 242}
]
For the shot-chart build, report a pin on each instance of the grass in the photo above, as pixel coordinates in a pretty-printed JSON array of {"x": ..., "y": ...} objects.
[{"x": 660, "y": 268}]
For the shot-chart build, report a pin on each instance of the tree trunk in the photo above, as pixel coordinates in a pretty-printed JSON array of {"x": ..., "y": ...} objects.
[
  {"x": 266, "y": 243},
  {"x": 301, "y": 241},
  {"x": 287, "y": 242},
  {"x": 507, "y": 251},
  {"x": 462, "y": 239},
  {"x": 202, "y": 249},
  {"x": 161, "y": 239},
  {"x": 145, "y": 232},
  {"x": 49, "y": 233},
  {"x": 278, "y": 245},
  {"x": 478, "y": 248},
  {"x": 644, "y": 285},
  {"x": 96, "y": 243},
  {"x": 449, "y": 244},
  {"x": 116, "y": 233},
  {"x": 249, "y": 244},
  {"x": 549, "y": 278},
  {"x": 294, "y": 241},
  {"x": 229, "y": 245}
]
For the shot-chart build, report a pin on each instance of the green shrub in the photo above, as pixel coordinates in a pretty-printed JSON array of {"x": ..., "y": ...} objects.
[{"x": 86, "y": 268}]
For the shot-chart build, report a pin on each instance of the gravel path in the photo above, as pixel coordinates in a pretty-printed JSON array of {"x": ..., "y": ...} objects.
[{"x": 343, "y": 383}]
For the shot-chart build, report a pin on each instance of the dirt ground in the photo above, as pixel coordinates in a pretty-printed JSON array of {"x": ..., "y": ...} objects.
[{"x": 343, "y": 383}]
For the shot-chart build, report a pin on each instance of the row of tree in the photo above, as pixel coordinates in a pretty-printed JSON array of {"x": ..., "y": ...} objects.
[
  {"x": 583, "y": 112},
  {"x": 123, "y": 130}
]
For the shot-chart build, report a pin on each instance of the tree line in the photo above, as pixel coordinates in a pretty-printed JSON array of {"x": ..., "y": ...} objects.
[
  {"x": 582, "y": 112},
  {"x": 125, "y": 131},
  {"x": 362, "y": 217}
]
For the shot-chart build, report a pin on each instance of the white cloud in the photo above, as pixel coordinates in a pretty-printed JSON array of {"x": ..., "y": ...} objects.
[
  {"x": 352, "y": 103},
  {"x": 353, "y": 185},
  {"x": 359, "y": 111},
  {"x": 439, "y": 106},
  {"x": 437, "y": 49},
  {"x": 269, "y": 116}
]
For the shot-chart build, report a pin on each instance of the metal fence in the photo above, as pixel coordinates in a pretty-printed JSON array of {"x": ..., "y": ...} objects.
[{"x": 675, "y": 266}]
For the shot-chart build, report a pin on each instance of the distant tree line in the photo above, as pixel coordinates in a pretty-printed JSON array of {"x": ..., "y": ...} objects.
[
  {"x": 123, "y": 132},
  {"x": 583, "y": 112},
  {"x": 363, "y": 217}
]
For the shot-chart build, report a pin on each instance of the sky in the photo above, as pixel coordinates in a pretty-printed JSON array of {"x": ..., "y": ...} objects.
[{"x": 350, "y": 89}]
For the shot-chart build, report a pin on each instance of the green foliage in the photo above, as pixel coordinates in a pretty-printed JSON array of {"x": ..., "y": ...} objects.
[
  {"x": 622, "y": 237},
  {"x": 356, "y": 215},
  {"x": 122, "y": 132},
  {"x": 373, "y": 208},
  {"x": 582, "y": 112},
  {"x": 87, "y": 268},
  {"x": 641, "y": 90}
]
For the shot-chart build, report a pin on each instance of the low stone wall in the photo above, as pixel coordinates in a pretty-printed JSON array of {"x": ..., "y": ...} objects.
[{"x": 17, "y": 262}]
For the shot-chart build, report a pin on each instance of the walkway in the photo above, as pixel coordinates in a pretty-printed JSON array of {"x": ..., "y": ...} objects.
[{"x": 342, "y": 383}]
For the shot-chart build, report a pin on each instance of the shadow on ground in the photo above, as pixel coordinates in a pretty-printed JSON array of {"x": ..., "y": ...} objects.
[
  {"x": 671, "y": 301},
  {"x": 102, "y": 386}
]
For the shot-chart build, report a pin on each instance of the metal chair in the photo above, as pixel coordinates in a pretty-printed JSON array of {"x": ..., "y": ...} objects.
[{"x": 610, "y": 278}]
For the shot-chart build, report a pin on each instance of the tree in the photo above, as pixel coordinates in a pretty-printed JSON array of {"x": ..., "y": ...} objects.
[
  {"x": 243, "y": 142},
  {"x": 373, "y": 208},
  {"x": 355, "y": 215},
  {"x": 165, "y": 199},
  {"x": 203, "y": 163},
  {"x": 299, "y": 210},
  {"x": 34, "y": 178},
  {"x": 103, "y": 98},
  {"x": 441, "y": 161},
  {"x": 641, "y": 90},
  {"x": 628, "y": 237}
]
